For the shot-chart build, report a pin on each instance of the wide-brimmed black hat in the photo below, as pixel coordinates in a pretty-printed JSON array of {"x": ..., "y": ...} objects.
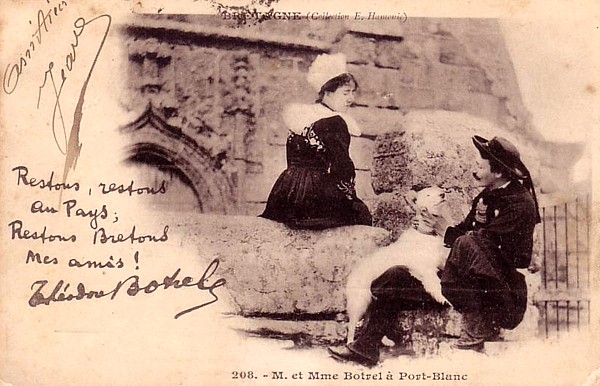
[
  {"x": 503, "y": 152},
  {"x": 506, "y": 154}
]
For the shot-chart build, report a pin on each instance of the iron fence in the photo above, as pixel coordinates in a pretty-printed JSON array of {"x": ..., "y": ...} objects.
[{"x": 564, "y": 296}]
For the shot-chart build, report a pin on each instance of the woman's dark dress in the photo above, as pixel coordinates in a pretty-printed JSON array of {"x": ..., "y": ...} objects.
[{"x": 316, "y": 190}]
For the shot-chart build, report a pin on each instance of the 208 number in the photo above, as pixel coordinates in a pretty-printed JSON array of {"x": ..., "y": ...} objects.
[{"x": 242, "y": 375}]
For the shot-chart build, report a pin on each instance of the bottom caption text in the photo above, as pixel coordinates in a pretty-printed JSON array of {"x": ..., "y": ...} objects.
[{"x": 351, "y": 376}]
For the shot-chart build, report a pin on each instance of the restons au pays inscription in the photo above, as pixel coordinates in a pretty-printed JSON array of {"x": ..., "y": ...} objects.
[{"x": 101, "y": 228}]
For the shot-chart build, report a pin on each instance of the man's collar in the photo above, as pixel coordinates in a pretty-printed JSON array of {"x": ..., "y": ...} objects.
[
  {"x": 492, "y": 191},
  {"x": 504, "y": 185}
]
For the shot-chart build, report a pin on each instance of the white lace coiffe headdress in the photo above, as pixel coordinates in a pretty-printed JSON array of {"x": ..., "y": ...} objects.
[{"x": 324, "y": 68}]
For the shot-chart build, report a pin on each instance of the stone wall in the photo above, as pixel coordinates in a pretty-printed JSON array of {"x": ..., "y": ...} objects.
[
  {"x": 208, "y": 95},
  {"x": 433, "y": 147},
  {"x": 223, "y": 86},
  {"x": 289, "y": 284}
]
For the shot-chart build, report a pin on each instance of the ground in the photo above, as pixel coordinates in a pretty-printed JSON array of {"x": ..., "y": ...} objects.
[{"x": 534, "y": 362}]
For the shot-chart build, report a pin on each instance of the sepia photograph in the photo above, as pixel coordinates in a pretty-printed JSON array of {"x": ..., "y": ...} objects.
[{"x": 298, "y": 193}]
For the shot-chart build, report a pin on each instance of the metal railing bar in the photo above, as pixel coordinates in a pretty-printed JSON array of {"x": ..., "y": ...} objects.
[
  {"x": 577, "y": 238},
  {"x": 568, "y": 319},
  {"x": 557, "y": 318},
  {"x": 545, "y": 271},
  {"x": 566, "y": 245},
  {"x": 555, "y": 250}
]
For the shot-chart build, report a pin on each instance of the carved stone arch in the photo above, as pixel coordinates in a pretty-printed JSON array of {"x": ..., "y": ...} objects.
[{"x": 150, "y": 139}]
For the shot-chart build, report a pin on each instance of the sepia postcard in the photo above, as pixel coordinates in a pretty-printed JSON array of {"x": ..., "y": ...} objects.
[{"x": 242, "y": 192}]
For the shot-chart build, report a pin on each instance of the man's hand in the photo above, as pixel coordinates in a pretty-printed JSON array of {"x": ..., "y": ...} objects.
[
  {"x": 533, "y": 267},
  {"x": 438, "y": 223}
]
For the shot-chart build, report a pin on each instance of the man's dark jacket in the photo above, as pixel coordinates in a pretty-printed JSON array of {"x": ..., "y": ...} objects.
[{"x": 495, "y": 238}]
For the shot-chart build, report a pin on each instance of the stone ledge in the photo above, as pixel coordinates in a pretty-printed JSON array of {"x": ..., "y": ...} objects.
[
  {"x": 274, "y": 270},
  {"x": 422, "y": 331},
  {"x": 290, "y": 284},
  {"x": 195, "y": 33}
]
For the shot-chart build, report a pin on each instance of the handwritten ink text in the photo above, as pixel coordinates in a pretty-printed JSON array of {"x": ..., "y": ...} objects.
[
  {"x": 17, "y": 232},
  {"x": 22, "y": 173},
  {"x": 13, "y": 72},
  {"x": 102, "y": 237},
  {"x": 61, "y": 291},
  {"x": 131, "y": 189}
]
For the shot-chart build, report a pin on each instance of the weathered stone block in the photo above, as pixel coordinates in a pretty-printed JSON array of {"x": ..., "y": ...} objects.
[
  {"x": 361, "y": 152},
  {"x": 422, "y": 331},
  {"x": 413, "y": 48},
  {"x": 410, "y": 98},
  {"x": 406, "y": 87},
  {"x": 453, "y": 52},
  {"x": 392, "y": 53},
  {"x": 483, "y": 42},
  {"x": 288, "y": 284},
  {"x": 258, "y": 186},
  {"x": 375, "y": 121},
  {"x": 273, "y": 270},
  {"x": 392, "y": 212},
  {"x": 391, "y": 172},
  {"x": 364, "y": 189},
  {"x": 460, "y": 78},
  {"x": 372, "y": 85},
  {"x": 481, "y": 105},
  {"x": 378, "y": 86},
  {"x": 412, "y": 74},
  {"x": 395, "y": 89},
  {"x": 434, "y": 148},
  {"x": 390, "y": 161},
  {"x": 358, "y": 49},
  {"x": 451, "y": 130}
]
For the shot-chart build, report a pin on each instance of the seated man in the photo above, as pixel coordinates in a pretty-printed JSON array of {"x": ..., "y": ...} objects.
[{"x": 480, "y": 278}]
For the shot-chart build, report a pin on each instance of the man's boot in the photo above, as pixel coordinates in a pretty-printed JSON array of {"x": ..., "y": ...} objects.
[{"x": 476, "y": 329}]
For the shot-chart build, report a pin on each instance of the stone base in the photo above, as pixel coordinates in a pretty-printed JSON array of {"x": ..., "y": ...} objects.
[
  {"x": 290, "y": 284},
  {"x": 273, "y": 270},
  {"x": 301, "y": 332},
  {"x": 422, "y": 331}
]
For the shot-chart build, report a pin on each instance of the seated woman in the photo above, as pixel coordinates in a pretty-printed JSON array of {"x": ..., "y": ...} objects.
[{"x": 316, "y": 191}]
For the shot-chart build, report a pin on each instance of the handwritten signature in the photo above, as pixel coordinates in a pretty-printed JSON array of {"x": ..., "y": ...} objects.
[
  {"x": 70, "y": 147},
  {"x": 13, "y": 72},
  {"x": 61, "y": 291},
  {"x": 73, "y": 146}
]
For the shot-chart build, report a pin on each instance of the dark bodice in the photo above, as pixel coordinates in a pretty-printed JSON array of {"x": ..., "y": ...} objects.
[
  {"x": 323, "y": 145},
  {"x": 316, "y": 190}
]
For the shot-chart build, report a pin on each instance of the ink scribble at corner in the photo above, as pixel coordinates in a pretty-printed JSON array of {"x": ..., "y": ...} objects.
[
  {"x": 55, "y": 77},
  {"x": 73, "y": 145}
]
